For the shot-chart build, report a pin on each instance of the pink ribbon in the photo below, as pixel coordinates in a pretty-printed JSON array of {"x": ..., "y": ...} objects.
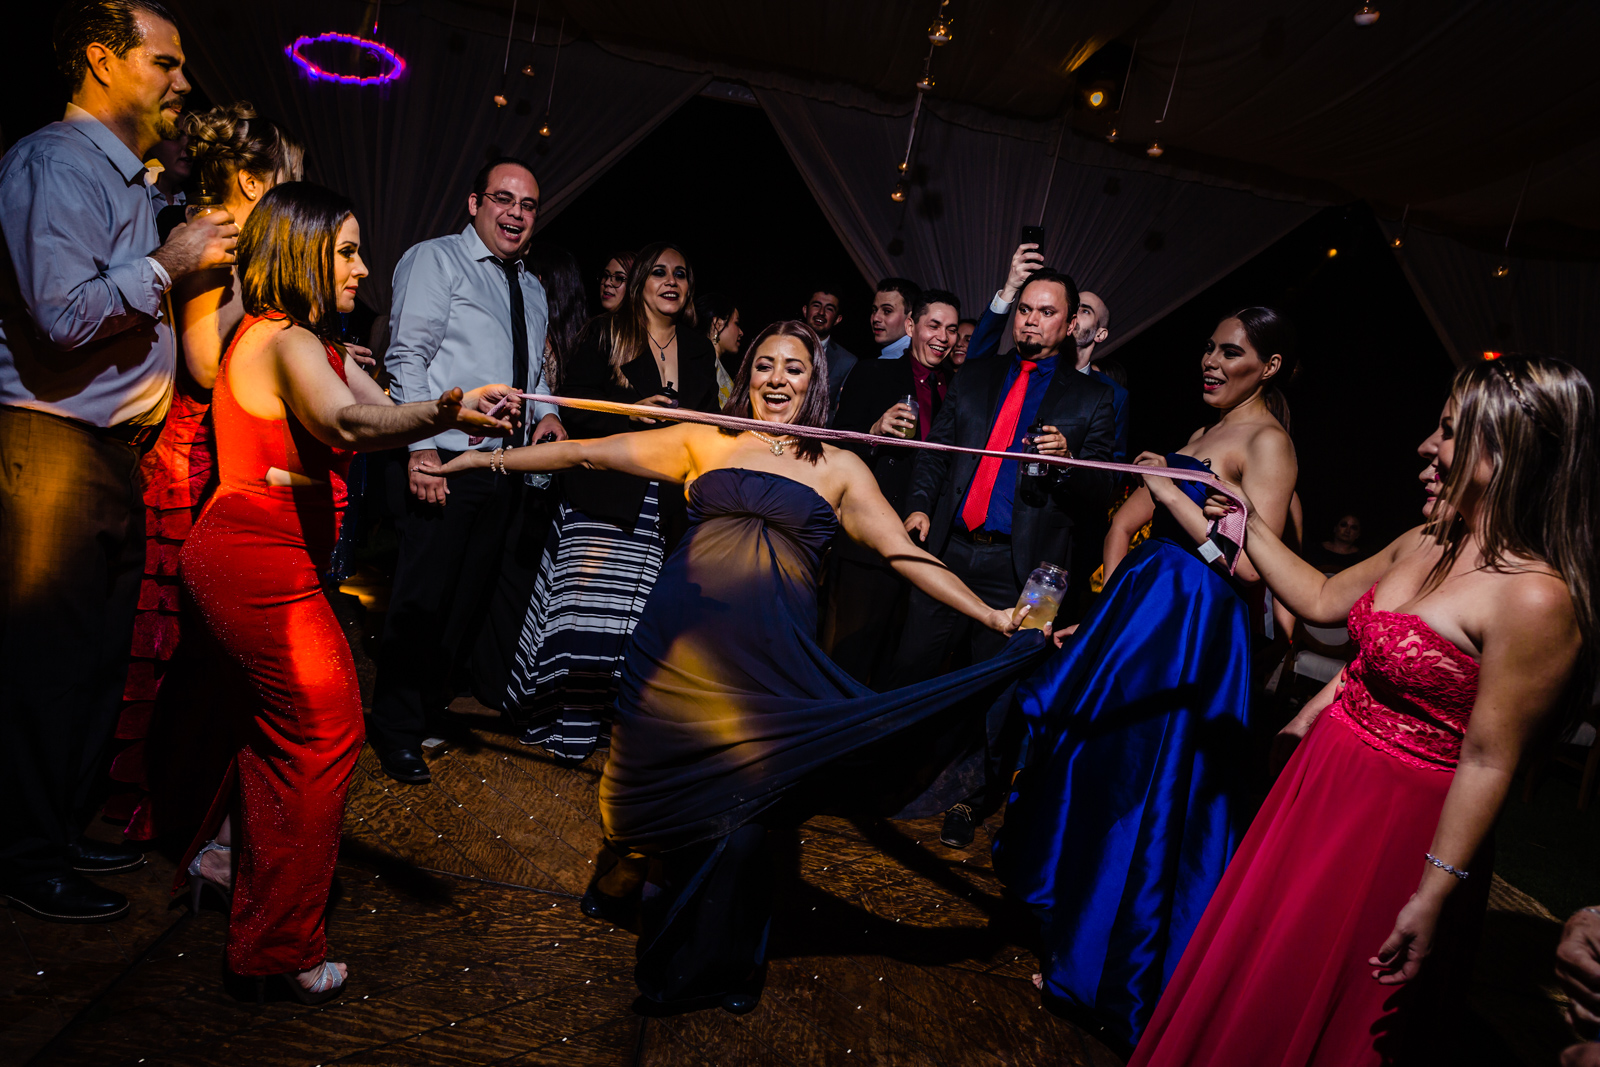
[{"x": 1231, "y": 526}]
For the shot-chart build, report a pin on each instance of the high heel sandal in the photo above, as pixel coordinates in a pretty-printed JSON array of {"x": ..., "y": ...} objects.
[
  {"x": 279, "y": 987},
  {"x": 198, "y": 881}
]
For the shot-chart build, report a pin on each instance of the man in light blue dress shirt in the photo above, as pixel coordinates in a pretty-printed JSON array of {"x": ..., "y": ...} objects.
[
  {"x": 465, "y": 311},
  {"x": 891, "y": 315},
  {"x": 86, "y": 369}
]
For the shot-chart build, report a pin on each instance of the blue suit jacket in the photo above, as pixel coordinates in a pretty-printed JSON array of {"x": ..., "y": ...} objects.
[{"x": 985, "y": 341}]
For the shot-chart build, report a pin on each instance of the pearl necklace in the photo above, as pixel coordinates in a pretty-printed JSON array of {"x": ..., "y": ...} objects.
[{"x": 774, "y": 444}]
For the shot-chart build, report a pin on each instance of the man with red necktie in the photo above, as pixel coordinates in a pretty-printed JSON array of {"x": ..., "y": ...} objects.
[{"x": 968, "y": 512}]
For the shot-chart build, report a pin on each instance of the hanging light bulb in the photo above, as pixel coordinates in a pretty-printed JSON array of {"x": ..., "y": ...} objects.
[
  {"x": 1155, "y": 150},
  {"x": 1111, "y": 136},
  {"x": 544, "y": 127},
  {"x": 1097, "y": 98},
  {"x": 1367, "y": 15},
  {"x": 1502, "y": 270},
  {"x": 527, "y": 70},
  {"x": 899, "y": 194},
  {"x": 940, "y": 32},
  {"x": 901, "y": 166},
  {"x": 925, "y": 84},
  {"x": 500, "y": 100},
  {"x": 1395, "y": 241}
]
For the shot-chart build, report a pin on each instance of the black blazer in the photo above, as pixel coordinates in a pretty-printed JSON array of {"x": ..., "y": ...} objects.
[
  {"x": 611, "y": 496},
  {"x": 874, "y": 387},
  {"x": 1076, "y": 403}
]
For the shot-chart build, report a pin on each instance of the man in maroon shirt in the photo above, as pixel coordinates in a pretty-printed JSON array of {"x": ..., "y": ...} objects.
[{"x": 860, "y": 618}]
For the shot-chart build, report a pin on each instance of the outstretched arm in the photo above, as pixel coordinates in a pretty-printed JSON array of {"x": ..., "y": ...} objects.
[
  {"x": 868, "y": 518},
  {"x": 324, "y": 404},
  {"x": 663, "y": 455}
]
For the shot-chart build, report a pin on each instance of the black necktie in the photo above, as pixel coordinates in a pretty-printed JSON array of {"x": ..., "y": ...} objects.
[{"x": 519, "y": 345}]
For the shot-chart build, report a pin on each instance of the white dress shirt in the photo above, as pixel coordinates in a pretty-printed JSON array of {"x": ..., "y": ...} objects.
[
  {"x": 450, "y": 325},
  {"x": 79, "y": 227},
  {"x": 897, "y": 348}
]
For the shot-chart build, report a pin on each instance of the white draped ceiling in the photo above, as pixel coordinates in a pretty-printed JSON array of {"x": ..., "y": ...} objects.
[{"x": 1257, "y": 157}]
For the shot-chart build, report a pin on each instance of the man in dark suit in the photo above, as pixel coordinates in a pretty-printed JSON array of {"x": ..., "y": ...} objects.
[
  {"x": 970, "y": 514},
  {"x": 865, "y": 596},
  {"x": 821, "y": 313}
]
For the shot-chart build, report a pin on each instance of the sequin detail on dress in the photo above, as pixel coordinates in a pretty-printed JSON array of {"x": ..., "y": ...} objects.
[{"x": 1408, "y": 692}]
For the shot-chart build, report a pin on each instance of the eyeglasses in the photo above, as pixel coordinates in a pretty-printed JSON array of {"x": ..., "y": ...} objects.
[
  {"x": 613, "y": 277},
  {"x": 506, "y": 200}
]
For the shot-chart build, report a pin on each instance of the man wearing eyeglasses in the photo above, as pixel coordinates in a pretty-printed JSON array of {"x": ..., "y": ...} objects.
[{"x": 465, "y": 309}]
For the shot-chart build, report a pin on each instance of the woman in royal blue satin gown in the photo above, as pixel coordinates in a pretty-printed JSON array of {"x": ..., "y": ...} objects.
[
  {"x": 731, "y": 720},
  {"x": 1128, "y": 807}
]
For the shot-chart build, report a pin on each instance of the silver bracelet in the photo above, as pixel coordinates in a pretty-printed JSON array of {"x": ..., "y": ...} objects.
[{"x": 1445, "y": 867}]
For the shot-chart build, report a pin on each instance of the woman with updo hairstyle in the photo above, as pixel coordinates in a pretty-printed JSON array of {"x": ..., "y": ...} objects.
[
  {"x": 1134, "y": 793},
  {"x": 236, "y": 157},
  {"x": 1343, "y": 931}
]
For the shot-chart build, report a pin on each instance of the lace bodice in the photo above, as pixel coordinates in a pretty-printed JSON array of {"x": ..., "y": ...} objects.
[{"x": 1408, "y": 692}]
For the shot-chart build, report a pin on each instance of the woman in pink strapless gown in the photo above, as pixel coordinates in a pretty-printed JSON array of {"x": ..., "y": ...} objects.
[{"x": 1321, "y": 945}]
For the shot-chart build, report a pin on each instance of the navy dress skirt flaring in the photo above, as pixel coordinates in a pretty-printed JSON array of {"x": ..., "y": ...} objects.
[
  {"x": 732, "y": 720},
  {"x": 1127, "y": 809}
]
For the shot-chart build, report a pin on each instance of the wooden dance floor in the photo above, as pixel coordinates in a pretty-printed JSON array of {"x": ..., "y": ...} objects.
[{"x": 456, "y": 908}]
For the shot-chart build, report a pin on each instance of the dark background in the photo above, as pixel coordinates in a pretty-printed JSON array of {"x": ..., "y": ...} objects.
[{"x": 715, "y": 179}]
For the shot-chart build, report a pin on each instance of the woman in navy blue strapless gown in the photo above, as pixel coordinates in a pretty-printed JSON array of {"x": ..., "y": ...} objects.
[
  {"x": 731, "y": 720},
  {"x": 1128, "y": 807}
]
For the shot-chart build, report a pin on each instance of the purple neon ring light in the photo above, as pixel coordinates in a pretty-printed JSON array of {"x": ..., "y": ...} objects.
[{"x": 397, "y": 65}]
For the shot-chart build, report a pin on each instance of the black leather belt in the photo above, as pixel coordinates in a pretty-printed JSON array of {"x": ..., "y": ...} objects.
[{"x": 982, "y": 537}]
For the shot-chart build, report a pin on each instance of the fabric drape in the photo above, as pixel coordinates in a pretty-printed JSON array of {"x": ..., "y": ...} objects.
[
  {"x": 406, "y": 152},
  {"x": 1144, "y": 240},
  {"x": 1540, "y": 306}
]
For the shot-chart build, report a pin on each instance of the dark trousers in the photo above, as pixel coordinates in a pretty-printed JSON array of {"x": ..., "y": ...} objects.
[
  {"x": 511, "y": 592},
  {"x": 863, "y": 608},
  {"x": 449, "y": 556},
  {"x": 71, "y": 556},
  {"x": 935, "y": 636}
]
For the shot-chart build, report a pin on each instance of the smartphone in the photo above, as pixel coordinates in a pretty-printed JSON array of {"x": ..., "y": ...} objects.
[{"x": 1033, "y": 235}]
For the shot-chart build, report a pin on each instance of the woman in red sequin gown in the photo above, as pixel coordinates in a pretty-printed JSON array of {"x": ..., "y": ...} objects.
[
  {"x": 238, "y": 156},
  {"x": 290, "y": 408},
  {"x": 1321, "y": 945}
]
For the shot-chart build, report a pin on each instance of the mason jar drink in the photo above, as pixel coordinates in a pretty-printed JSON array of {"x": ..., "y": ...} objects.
[{"x": 1046, "y": 588}]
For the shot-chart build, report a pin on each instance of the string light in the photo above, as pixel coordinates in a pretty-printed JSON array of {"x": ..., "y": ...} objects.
[
  {"x": 1332, "y": 252},
  {"x": 1097, "y": 98},
  {"x": 1505, "y": 264},
  {"x": 505, "y": 61},
  {"x": 925, "y": 84},
  {"x": 1399, "y": 238},
  {"x": 561, "y": 33},
  {"x": 1111, "y": 135},
  {"x": 900, "y": 191},
  {"x": 533, "y": 41},
  {"x": 1155, "y": 151},
  {"x": 1367, "y": 15},
  {"x": 941, "y": 32}
]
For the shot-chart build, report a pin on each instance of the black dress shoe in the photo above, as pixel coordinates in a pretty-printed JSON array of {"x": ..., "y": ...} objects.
[
  {"x": 405, "y": 765},
  {"x": 957, "y": 832},
  {"x": 100, "y": 857},
  {"x": 740, "y": 1003},
  {"x": 70, "y": 898}
]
